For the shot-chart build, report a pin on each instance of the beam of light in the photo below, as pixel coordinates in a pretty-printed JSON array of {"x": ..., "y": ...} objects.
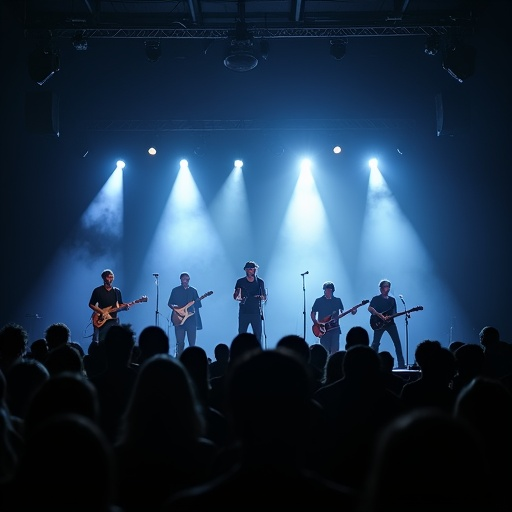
[
  {"x": 391, "y": 249},
  {"x": 186, "y": 240},
  {"x": 305, "y": 242},
  {"x": 94, "y": 244}
]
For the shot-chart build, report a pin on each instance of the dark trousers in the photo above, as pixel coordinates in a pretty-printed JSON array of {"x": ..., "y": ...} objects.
[
  {"x": 331, "y": 341},
  {"x": 187, "y": 329},
  {"x": 252, "y": 319},
  {"x": 392, "y": 330}
]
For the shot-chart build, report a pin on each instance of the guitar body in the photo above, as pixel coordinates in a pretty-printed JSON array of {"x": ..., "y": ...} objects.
[
  {"x": 180, "y": 315},
  {"x": 99, "y": 319},
  {"x": 377, "y": 323},
  {"x": 331, "y": 322}
]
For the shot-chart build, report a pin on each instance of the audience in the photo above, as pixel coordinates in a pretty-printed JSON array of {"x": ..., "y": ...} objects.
[{"x": 285, "y": 427}]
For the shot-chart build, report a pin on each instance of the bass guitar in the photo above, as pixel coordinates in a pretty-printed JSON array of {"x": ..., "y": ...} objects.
[
  {"x": 377, "y": 323},
  {"x": 331, "y": 321},
  {"x": 180, "y": 315},
  {"x": 98, "y": 319}
]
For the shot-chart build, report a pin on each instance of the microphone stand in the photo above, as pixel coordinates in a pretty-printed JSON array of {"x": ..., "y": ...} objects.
[
  {"x": 406, "y": 334},
  {"x": 156, "y": 310},
  {"x": 304, "y": 301},
  {"x": 264, "y": 330}
]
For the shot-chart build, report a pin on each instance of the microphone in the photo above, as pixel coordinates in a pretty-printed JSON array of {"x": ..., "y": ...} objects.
[
  {"x": 401, "y": 298},
  {"x": 155, "y": 275},
  {"x": 307, "y": 272}
]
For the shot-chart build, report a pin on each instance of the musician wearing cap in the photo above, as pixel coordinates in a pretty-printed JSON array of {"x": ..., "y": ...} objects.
[{"x": 250, "y": 292}]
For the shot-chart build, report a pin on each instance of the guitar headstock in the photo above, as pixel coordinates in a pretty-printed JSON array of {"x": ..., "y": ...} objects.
[
  {"x": 207, "y": 294},
  {"x": 417, "y": 308},
  {"x": 364, "y": 302},
  {"x": 144, "y": 298}
]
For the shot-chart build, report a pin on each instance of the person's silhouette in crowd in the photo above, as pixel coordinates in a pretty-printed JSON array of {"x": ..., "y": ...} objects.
[
  {"x": 498, "y": 354},
  {"x": 152, "y": 340},
  {"x": 433, "y": 388},
  {"x": 161, "y": 448},
  {"x": 13, "y": 345},
  {"x": 195, "y": 360},
  {"x": 64, "y": 358},
  {"x": 67, "y": 464},
  {"x": 56, "y": 335},
  {"x": 334, "y": 367},
  {"x": 469, "y": 363},
  {"x": 356, "y": 408},
  {"x": 241, "y": 344},
  {"x": 115, "y": 383},
  {"x": 487, "y": 405},
  {"x": 11, "y": 441},
  {"x": 38, "y": 350},
  {"x": 357, "y": 335},
  {"x": 269, "y": 404},
  {"x": 317, "y": 362},
  {"x": 392, "y": 380},
  {"x": 428, "y": 460},
  {"x": 23, "y": 379},
  {"x": 66, "y": 392},
  {"x": 454, "y": 345},
  {"x": 220, "y": 363}
]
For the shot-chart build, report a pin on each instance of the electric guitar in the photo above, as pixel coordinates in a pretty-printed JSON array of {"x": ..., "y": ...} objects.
[
  {"x": 180, "y": 315},
  {"x": 377, "y": 323},
  {"x": 331, "y": 321},
  {"x": 98, "y": 319}
]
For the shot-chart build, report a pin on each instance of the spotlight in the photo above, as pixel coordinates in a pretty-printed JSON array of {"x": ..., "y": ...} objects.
[
  {"x": 79, "y": 41},
  {"x": 459, "y": 61},
  {"x": 240, "y": 55},
  {"x": 432, "y": 45},
  {"x": 43, "y": 63},
  {"x": 338, "y": 48},
  {"x": 153, "y": 50}
]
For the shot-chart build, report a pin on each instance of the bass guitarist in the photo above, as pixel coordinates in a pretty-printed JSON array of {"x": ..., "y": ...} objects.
[
  {"x": 180, "y": 296},
  {"x": 104, "y": 297},
  {"x": 327, "y": 309},
  {"x": 383, "y": 306}
]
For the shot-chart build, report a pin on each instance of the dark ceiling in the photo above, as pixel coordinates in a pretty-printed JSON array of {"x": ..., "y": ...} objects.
[{"x": 270, "y": 18}]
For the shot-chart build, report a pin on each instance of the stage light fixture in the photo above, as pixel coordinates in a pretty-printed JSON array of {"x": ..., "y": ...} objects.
[
  {"x": 43, "y": 63},
  {"x": 240, "y": 56},
  {"x": 432, "y": 45},
  {"x": 459, "y": 60},
  {"x": 153, "y": 50},
  {"x": 338, "y": 48},
  {"x": 79, "y": 41}
]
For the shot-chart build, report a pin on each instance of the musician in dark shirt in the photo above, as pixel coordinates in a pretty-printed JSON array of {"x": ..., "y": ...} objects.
[
  {"x": 251, "y": 294},
  {"x": 383, "y": 306},
  {"x": 186, "y": 323},
  {"x": 105, "y": 297},
  {"x": 327, "y": 309}
]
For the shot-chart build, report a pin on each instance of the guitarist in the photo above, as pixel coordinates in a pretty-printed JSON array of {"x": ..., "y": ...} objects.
[
  {"x": 323, "y": 309},
  {"x": 384, "y": 306},
  {"x": 105, "y": 296},
  {"x": 180, "y": 296}
]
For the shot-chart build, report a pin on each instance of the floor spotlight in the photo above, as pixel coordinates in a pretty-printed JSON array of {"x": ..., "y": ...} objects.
[
  {"x": 153, "y": 50},
  {"x": 338, "y": 48}
]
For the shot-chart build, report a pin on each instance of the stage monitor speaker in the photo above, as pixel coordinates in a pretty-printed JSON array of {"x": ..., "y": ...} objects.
[
  {"x": 42, "y": 112},
  {"x": 453, "y": 114}
]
